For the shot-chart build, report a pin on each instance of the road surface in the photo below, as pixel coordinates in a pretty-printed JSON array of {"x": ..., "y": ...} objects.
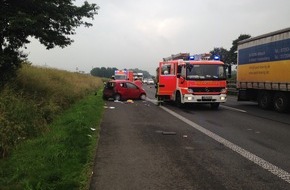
[{"x": 239, "y": 146}]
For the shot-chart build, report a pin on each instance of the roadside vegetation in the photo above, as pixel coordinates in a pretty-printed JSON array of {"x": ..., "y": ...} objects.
[
  {"x": 231, "y": 84},
  {"x": 48, "y": 129}
]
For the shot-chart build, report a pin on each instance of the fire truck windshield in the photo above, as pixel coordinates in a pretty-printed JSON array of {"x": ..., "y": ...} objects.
[
  {"x": 206, "y": 72},
  {"x": 120, "y": 77}
]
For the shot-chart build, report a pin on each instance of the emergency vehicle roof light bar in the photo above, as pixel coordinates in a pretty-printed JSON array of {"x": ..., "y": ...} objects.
[
  {"x": 216, "y": 58},
  {"x": 198, "y": 57},
  {"x": 195, "y": 57},
  {"x": 191, "y": 57}
]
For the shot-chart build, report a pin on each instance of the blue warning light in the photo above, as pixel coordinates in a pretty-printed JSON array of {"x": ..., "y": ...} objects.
[
  {"x": 191, "y": 57},
  {"x": 216, "y": 57}
]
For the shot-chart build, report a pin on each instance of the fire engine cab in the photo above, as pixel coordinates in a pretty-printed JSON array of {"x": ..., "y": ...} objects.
[
  {"x": 185, "y": 78},
  {"x": 123, "y": 75}
]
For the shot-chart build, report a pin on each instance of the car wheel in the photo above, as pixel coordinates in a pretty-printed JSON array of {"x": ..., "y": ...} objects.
[
  {"x": 143, "y": 96},
  {"x": 117, "y": 97}
]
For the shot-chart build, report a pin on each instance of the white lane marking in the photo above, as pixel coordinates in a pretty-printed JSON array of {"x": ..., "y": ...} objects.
[
  {"x": 235, "y": 109},
  {"x": 226, "y": 107},
  {"x": 246, "y": 154}
]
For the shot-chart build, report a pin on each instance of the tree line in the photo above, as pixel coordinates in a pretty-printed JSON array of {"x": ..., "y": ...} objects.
[{"x": 103, "y": 72}]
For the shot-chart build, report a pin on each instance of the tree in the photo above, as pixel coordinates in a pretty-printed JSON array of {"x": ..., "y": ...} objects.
[
  {"x": 49, "y": 21},
  {"x": 234, "y": 48},
  {"x": 103, "y": 72},
  {"x": 222, "y": 52}
]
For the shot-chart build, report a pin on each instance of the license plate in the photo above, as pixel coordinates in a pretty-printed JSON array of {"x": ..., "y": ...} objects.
[{"x": 206, "y": 97}]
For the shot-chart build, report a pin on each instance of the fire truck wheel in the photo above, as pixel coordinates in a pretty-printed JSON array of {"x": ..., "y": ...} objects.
[
  {"x": 117, "y": 97},
  {"x": 178, "y": 100},
  {"x": 214, "y": 105}
]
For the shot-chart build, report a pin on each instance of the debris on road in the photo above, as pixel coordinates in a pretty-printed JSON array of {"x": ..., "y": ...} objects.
[
  {"x": 168, "y": 133},
  {"x": 130, "y": 101}
]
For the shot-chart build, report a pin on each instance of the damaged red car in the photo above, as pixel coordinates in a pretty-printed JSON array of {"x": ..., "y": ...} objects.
[{"x": 123, "y": 90}]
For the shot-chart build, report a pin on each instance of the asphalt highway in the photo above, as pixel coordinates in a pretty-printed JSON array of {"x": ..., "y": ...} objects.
[{"x": 238, "y": 146}]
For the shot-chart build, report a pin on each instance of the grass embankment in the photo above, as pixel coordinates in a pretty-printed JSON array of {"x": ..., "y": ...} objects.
[{"x": 47, "y": 147}]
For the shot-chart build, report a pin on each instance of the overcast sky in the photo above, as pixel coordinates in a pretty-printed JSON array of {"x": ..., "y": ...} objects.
[{"x": 139, "y": 33}]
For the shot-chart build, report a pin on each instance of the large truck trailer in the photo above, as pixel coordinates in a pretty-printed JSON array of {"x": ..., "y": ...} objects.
[{"x": 263, "y": 72}]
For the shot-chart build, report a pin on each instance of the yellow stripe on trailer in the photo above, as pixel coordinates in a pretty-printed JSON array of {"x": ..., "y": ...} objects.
[{"x": 276, "y": 71}]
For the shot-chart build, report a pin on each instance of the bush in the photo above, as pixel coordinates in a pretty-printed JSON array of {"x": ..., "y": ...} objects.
[{"x": 20, "y": 119}]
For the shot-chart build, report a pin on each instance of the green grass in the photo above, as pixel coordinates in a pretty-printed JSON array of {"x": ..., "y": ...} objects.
[
  {"x": 35, "y": 98},
  {"x": 46, "y": 121},
  {"x": 61, "y": 158}
]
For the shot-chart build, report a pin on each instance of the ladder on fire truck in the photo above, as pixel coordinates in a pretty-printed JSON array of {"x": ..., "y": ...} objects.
[{"x": 187, "y": 56}]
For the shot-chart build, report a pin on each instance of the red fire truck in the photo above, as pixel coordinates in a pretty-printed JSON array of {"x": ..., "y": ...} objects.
[
  {"x": 192, "y": 79},
  {"x": 123, "y": 75}
]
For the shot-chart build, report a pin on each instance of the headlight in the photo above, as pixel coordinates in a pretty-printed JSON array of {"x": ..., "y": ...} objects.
[
  {"x": 189, "y": 98},
  {"x": 189, "y": 90}
]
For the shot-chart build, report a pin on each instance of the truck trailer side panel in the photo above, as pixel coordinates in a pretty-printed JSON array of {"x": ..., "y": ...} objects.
[
  {"x": 265, "y": 62},
  {"x": 264, "y": 70}
]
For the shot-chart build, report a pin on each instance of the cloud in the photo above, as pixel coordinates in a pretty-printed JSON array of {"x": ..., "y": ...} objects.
[{"x": 138, "y": 34}]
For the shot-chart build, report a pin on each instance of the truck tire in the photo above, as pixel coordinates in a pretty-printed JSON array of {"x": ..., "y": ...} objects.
[
  {"x": 281, "y": 102},
  {"x": 265, "y": 100},
  {"x": 178, "y": 100}
]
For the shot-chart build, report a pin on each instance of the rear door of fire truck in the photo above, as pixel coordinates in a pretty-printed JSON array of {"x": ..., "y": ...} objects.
[{"x": 166, "y": 80}]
